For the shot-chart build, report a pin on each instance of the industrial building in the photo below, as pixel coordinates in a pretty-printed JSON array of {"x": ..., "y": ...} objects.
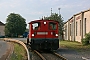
[
  {"x": 2, "y": 27},
  {"x": 77, "y": 26}
]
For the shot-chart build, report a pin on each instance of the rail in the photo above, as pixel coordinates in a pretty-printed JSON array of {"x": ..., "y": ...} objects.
[
  {"x": 39, "y": 55},
  {"x": 54, "y": 53},
  {"x": 63, "y": 58}
]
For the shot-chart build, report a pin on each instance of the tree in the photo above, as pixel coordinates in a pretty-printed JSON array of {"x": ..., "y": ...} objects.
[
  {"x": 58, "y": 18},
  {"x": 85, "y": 41},
  {"x": 15, "y": 25}
]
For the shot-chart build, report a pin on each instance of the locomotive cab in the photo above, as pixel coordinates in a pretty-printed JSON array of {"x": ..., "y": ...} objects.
[{"x": 43, "y": 34}]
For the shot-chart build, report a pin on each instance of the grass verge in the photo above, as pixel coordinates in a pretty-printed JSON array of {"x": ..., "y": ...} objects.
[
  {"x": 75, "y": 46},
  {"x": 19, "y": 53}
]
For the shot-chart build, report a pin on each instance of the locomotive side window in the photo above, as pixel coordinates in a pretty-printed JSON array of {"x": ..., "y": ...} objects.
[
  {"x": 52, "y": 26},
  {"x": 36, "y": 26}
]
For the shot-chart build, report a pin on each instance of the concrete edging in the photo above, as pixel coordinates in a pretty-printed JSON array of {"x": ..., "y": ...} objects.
[{"x": 20, "y": 42}]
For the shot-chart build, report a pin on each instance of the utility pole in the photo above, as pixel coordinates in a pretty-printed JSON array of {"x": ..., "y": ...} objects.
[
  {"x": 51, "y": 11},
  {"x": 59, "y": 10}
]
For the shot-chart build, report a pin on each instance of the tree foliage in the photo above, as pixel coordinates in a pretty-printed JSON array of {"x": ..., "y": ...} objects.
[
  {"x": 58, "y": 18},
  {"x": 15, "y": 25},
  {"x": 85, "y": 41}
]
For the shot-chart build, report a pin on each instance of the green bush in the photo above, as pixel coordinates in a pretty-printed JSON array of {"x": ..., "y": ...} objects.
[{"x": 85, "y": 41}]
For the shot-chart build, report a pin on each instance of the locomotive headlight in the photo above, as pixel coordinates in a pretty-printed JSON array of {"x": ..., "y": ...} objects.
[
  {"x": 56, "y": 35},
  {"x": 44, "y": 22},
  {"x": 32, "y": 34}
]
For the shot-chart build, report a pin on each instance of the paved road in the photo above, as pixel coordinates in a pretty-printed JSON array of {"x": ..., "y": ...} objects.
[
  {"x": 71, "y": 54},
  {"x": 21, "y": 39},
  {"x": 3, "y": 47}
]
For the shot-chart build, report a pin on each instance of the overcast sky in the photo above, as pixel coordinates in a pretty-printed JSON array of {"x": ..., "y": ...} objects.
[{"x": 35, "y": 9}]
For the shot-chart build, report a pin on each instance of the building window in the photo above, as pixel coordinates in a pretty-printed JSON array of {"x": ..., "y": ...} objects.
[
  {"x": 70, "y": 29},
  {"x": 76, "y": 28},
  {"x": 85, "y": 26},
  {"x": 80, "y": 27}
]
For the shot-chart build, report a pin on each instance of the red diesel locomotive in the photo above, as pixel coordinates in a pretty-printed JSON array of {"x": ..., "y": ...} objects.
[{"x": 43, "y": 34}]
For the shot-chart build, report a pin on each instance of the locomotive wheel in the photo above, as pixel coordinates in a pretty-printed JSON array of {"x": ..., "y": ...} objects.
[{"x": 27, "y": 41}]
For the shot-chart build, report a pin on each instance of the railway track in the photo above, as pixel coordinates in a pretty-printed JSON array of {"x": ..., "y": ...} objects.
[
  {"x": 40, "y": 55},
  {"x": 37, "y": 55},
  {"x": 50, "y": 56}
]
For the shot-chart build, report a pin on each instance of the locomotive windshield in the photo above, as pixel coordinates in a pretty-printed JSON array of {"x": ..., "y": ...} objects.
[
  {"x": 36, "y": 26},
  {"x": 52, "y": 26}
]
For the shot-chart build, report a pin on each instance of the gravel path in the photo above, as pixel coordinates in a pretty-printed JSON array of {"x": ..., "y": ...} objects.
[{"x": 73, "y": 55}]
